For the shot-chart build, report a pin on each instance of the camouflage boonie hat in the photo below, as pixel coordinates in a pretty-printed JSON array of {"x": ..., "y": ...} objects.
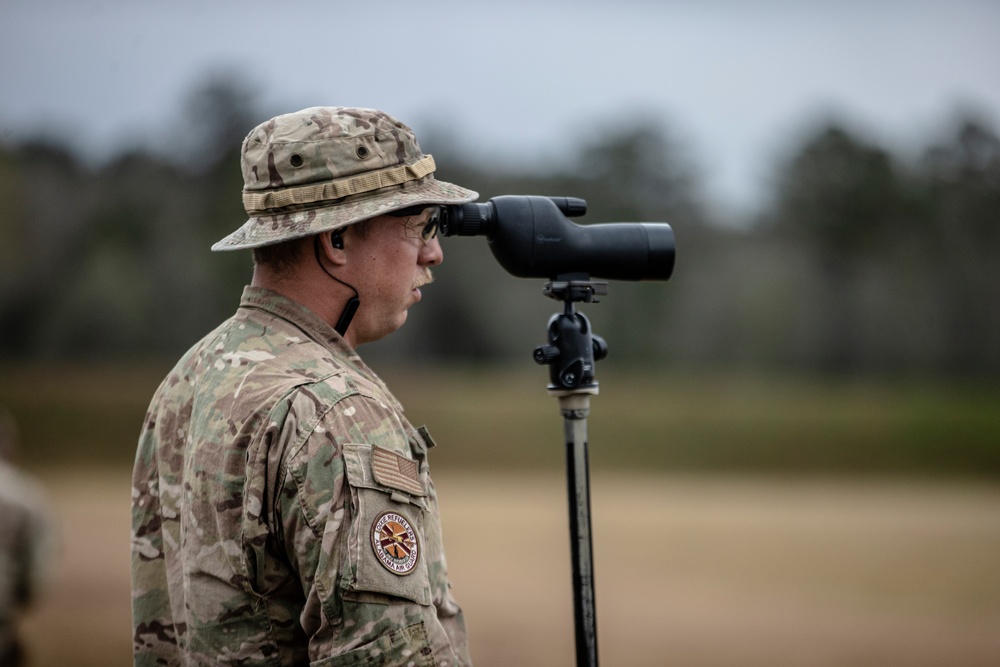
[{"x": 324, "y": 168}]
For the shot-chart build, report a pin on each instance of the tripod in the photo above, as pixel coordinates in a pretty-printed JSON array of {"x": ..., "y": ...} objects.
[
  {"x": 532, "y": 237},
  {"x": 571, "y": 354}
]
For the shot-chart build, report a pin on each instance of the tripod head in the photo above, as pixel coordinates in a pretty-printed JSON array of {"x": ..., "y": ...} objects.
[{"x": 573, "y": 348}]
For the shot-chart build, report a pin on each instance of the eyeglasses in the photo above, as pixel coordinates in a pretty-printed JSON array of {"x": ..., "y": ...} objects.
[{"x": 426, "y": 230}]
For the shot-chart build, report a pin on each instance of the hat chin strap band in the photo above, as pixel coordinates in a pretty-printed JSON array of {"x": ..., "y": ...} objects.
[
  {"x": 352, "y": 304},
  {"x": 317, "y": 193}
]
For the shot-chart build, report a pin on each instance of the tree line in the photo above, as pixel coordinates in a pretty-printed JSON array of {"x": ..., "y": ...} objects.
[{"x": 861, "y": 262}]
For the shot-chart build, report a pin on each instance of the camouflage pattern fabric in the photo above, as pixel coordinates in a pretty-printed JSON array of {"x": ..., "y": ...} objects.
[
  {"x": 323, "y": 168},
  {"x": 282, "y": 508},
  {"x": 27, "y": 542}
]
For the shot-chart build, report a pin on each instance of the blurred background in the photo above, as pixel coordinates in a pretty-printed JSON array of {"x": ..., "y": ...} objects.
[{"x": 796, "y": 448}]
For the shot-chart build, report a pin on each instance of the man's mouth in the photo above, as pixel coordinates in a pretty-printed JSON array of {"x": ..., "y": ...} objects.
[{"x": 426, "y": 278}]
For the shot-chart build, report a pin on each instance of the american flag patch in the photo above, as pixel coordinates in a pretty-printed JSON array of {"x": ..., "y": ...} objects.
[{"x": 396, "y": 472}]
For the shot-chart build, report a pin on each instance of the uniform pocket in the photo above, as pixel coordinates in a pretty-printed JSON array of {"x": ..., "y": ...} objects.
[
  {"x": 386, "y": 539},
  {"x": 406, "y": 646}
]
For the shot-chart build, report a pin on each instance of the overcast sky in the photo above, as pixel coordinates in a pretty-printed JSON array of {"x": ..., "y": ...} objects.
[{"x": 735, "y": 82}]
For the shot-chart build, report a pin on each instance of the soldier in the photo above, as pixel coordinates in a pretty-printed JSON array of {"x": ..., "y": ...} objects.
[
  {"x": 282, "y": 508},
  {"x": 26, "y": 543}
]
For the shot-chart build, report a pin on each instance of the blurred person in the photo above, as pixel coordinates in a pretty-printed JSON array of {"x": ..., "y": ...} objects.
[
  {"x": 26, "y": 541},
  {"x": 282, "y": 508}
]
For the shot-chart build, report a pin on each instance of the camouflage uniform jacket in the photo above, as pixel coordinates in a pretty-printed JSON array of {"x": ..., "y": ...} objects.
[{"x": 282, "y": 510}]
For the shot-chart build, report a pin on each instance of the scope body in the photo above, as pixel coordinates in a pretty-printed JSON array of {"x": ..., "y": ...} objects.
[{"x": 531, "y": 237}]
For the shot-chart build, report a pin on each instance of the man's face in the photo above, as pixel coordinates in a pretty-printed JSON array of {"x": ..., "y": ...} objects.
[{"x": 387, "y": 267}]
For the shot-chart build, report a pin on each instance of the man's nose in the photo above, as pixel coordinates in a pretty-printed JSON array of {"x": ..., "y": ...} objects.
[{"x": 431, "y": 254}]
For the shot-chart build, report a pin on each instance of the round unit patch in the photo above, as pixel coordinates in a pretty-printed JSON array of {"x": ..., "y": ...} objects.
[{"x": 395, "y": 543}]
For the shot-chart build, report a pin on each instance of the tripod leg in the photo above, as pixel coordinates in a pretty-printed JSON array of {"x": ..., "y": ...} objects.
[{"x": 575, "y": 409}]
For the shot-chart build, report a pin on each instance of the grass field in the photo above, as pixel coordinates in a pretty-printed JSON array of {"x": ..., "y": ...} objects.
[
  {"x": 690, "y": 570},
  {"x": 737, "y": 520},
  {"x": 485, "y": 418}
]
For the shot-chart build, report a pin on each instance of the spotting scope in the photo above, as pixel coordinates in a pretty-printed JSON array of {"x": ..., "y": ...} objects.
[{"x": 532, "y": 237}]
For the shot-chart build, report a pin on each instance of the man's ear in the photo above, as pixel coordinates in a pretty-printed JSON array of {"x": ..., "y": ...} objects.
[{"x": 333, "y": 247}]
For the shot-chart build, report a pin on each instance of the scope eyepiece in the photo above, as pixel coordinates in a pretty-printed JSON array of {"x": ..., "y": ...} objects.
[{"x": 467, "y": 220}]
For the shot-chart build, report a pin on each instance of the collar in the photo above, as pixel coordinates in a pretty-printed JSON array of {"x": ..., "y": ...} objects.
[{"x": 302, "y": 318}]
